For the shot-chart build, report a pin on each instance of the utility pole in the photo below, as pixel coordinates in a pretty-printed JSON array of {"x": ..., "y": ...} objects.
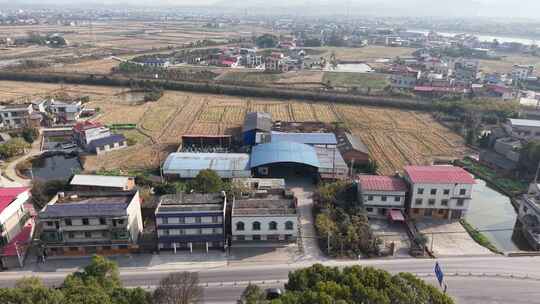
[{"x": 328, "y": 243}]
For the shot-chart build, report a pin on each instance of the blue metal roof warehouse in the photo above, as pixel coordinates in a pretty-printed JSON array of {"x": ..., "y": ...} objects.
[
  {"x": 322, "y": 139},
  {"x": 284, "y": 152},
  {"x": 226, "y": 165}
]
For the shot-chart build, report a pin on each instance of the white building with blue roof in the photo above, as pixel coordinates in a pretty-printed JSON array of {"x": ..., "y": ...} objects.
[{"x": 187, "y": 165}]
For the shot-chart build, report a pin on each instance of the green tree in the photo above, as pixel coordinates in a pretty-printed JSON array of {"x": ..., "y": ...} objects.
[
  {"x": 14, "y": 147},
  {"x": 207, "y": 181},
  {"x": 266, "y": 41},
  {"x": 30, "y": 134},
  {"x": 43, "y": 192},
  {"x": 356, "y": 284},
  {"x": 253, "y": 294},
  {"x": 31, "y": 291}
]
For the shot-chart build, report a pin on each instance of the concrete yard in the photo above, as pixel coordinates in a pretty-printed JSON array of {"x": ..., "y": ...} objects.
[
  {"x": 392, "y": 233},
  {"x": 450, "y": 239}
]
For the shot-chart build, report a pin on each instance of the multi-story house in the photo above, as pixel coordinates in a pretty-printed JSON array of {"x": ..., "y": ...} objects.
[
  {"x": 65, "y": 111},
  {"x": 252, "y": 60},
  {"x": 405, "y": 78},
  {"x": 524, "y": 129},
  {"x": 382, "y": 196},
  {"x": 15, "y": 116},
  {"x": 16, "y": 226},
  {"x": 276, "y": 63},
  {"x": 264, "y": 211},
  {"x": 85, "y": 223},
  {"x": 466, "y": 71},
  {"x": 96, "y": 138},
  {"x": 440, "y": 192},
  {"x": 529, "y": 215},
  {"x": 522, "y": 72},
  {"x": 191, "y": 221}
]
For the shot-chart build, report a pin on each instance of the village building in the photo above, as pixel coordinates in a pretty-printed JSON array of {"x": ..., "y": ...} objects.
[
  {"x": 466, "y": 71},
  {"x": 96, "y": 138},
  {"x": 86, "y": 223},
  {"x": 191, "y": 221},
  {"x": 83, "y": 182},
  {"x": 264, "y": 215},
  {"x": 65, "y": 112},
  {"x": 323, "y": 140},
  {"x": 185, "y": 165},
  {"x": 522, "y": 72},
  {"x": 15, "y": 116},
  {"x": 16, "y": 226},
  {"x": 107, "y": 144},
  {"x": 529, "y": 216},
  {"x": 156, "y": 63},
  {"x": 404, "y": 78},
  {"x": 382, "y": 196},
  {"x": 439, "y": 192},
  {"x": 524, "y": 129}
]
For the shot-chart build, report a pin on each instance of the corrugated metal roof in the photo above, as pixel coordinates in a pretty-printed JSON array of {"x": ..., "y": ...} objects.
[
  {"x": 347, "y": 142},
  {"x": 109, "y": 140},
  {"x": 305, "y": 138},
  {"x": 100, "y": 181},
  {"x": 284, "y": 152},
  {"x": 179, "y": 163},
  {"x": 525, "y": 123},
  {"x": 257, "y": 121}
]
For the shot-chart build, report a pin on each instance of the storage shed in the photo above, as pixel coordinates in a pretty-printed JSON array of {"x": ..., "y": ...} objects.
[{"x": 188, "y": 165}]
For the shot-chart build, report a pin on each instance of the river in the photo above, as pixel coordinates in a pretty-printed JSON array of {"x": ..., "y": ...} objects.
[{"x": 491, "y": 210}]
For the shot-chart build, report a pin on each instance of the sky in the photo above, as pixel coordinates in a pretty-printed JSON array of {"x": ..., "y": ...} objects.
[{"x": 461, "y": 8}]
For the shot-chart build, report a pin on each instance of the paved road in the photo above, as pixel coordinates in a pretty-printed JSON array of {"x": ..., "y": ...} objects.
[{"x": 471, "y": 280}]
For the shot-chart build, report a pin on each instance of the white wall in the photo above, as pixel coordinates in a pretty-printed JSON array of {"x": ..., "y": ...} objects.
[
  {"x": 452, "y": 197},
  {"x": 135, "y": 224},
  {"x": 280, "y": 220},
  {"x": 377, "y": 198}
]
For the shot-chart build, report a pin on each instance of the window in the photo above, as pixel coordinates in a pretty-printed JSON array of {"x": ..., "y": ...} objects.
[
  {"x": 460, "y": 202},
  {"x": 120, "y": 222},
  {"x": 369, "y": 209},
  {"x": 383, "y": 198},
  {"x": 272, "y": 225},
  {"x": 256, "y": 226},
  {"x": 418, "y": 201},
  {"x": 50, "y": 223},
  {"x": 73, "y": 248},
  {"x": 416, "y": 211},
  {"x": 214, "y": 219},
  {"x": 240, "y": 238},
  {"x": 446, "y": 191},
  {"x": 102, "y": 221},
  {"x": 428, "y": 212},
  {"x": 104, "y": 234},
  {"x": 420, "y": 191},
  {"x": 240, "y": 226},
  {"x": 256, "y": 237},
  {"x": 444, "y": 202},
  {"x": 462, "y": 191},
  {"x": 289, "y": 225},
  {"x": 433, "y": 191},
  {"x": 370, "y": 198},
  {"x": 68, "y": 222},
  {"x": 397, "y": 198},
  {"x": 85, "y": 222},
  {"x": 198, "y": 220},
  {"x": 165, "y": 220},
  {"x": 441, "y": 211},
  {"x": 87, "y": 235},
  {"x": 165, "y": 231},
  {"x": 71, "y": 235},
  {"x": 431, "y": 202}
]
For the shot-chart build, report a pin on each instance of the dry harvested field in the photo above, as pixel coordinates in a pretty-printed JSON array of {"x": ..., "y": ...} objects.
[
  {"x": 395, "y": 137},
  {"x": 101, "y": 66},
  {"x": 369, "y": 53}
]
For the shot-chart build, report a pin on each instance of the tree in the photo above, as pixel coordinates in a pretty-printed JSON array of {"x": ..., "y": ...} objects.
[
  {"x": 31, "y": 291},
  {"x": 30, "y": 134},
  {"x": 14, "y": 147},
  {"x": 266, "y": 41},
  {"x": 179, "y": 288},
  {"x": 356, "y": 284},
  {"x": 207, "y": 181},
  {"x": 253, "y": 294},
  {"x": 43, "y": 192}
]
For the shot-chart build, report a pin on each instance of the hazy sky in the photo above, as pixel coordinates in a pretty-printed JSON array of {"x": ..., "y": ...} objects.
[{"x": 503, "y": 8}]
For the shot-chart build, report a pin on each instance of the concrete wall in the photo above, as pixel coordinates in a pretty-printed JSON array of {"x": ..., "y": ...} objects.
[
  {"x": 437, "y": 200},
  {"x": 265, "y": 221}
]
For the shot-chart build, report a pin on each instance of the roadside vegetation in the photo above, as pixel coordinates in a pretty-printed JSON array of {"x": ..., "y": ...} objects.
[
  {"x": 356, "y": 284},
  {"x": 342, "y": 227},
  {"x": 479, "y": 237},
  {"x": 508, "y": 185}
]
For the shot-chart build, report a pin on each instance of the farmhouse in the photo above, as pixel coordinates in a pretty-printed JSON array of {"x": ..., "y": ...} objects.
[
  {"x": 525, "y": 129},
  {"x": 96, "y": 138},
  {"x": 188, "y": 165},
  {"x": 382, "y": 196},
  {"x": 85, "y": 223},
  {"x": 442, "y": 192},
  {"x": 109, "y": 143},
  {"x": 191, "y": 221},
  {"x": 65, "y": 112},
  {"x": 16, "y": 226},
  {"x": 15, "y": 116},
  {"x": 264, "y": 215}
]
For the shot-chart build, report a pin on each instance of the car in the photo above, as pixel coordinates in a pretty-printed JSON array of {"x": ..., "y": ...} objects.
[{"x": 273, "y": 293}]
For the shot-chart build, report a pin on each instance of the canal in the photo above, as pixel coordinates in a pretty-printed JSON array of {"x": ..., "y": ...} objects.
[{"x": 491, "y": 210}]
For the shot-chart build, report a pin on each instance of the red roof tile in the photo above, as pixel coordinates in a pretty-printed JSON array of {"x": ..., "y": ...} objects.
[
  {"x": 85, "y": 125},
  {"x": 8, "y": 195},
  {"x": 381, "y": 183},
  {"x": 439, "y": 175},
  {"x": 20, "y": 240}
]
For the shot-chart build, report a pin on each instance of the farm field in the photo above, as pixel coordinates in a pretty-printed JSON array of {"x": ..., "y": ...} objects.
[
  {"x": 394, "y": 137},
  {"x": 369, "y": 53},
  {"x": 101, "y": 66},
  {"x": 505, "y": 64},
  {"x": 359, "y": 80}
]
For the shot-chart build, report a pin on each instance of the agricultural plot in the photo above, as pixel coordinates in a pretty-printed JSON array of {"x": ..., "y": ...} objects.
[
  {"x": 302, "y": 112},
  {"x": 280, "y": 111},
  {"x": 324, "y": 113},
  {"x": 211, "y": 114}
]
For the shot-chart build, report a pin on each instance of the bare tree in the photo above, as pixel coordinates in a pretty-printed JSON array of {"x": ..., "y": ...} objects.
[{"x": 179, "y": 288}]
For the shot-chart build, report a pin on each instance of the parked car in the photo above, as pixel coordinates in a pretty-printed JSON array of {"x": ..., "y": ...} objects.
[{"x": 273, "y": 293}]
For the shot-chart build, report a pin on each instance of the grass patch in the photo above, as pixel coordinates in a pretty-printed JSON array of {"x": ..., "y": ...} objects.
[
  {"x": 360, "y": 80},
  {"x": 509, "y": 185},
  {"x": 256, "y": 77},
  {"x": 133, "y": 136},
  {"x": 479, "y": 237}
]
